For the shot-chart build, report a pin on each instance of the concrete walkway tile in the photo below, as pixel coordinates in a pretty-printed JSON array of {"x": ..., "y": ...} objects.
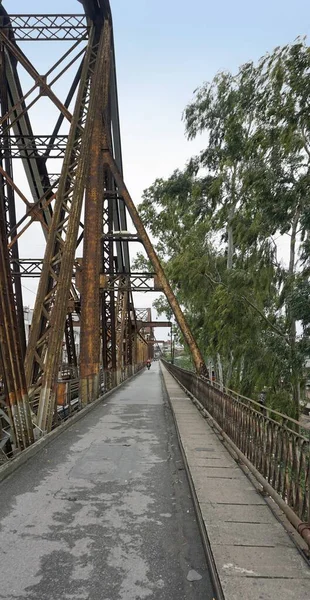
[
  {"x": 193, "y": 454},
  {"x": 236, "y": 513},
  {"x": 247, "y": 534},
  {"x": 191, "y": 420},
  {"x": 203, "y": 442},
  {"x": 185, "y": 410},
  {"x": 198, "y": 428},
  {"x": 181, "y": 402},
  {"x": 194, "y": 441},
  {"x": 249, "y": 588},
  {"x": 199, "y": 453},
  {"x": 226, "y": 491},
  {"x": 245, "y": 561},
  {"x": 217, "y": 472},
  {"x": 211, "y": 462}
]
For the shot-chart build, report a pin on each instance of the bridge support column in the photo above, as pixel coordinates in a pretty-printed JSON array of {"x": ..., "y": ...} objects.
[
  {"x": 90, "y": 297},
  {"x": 110, "y": 164},
  {"x": 11, "y": 350}
]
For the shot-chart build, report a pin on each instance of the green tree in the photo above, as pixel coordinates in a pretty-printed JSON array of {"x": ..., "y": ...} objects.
[{"x": 217, "y": 221}]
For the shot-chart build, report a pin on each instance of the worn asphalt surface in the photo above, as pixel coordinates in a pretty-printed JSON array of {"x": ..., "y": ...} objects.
[{"x": 104, "y": 512}]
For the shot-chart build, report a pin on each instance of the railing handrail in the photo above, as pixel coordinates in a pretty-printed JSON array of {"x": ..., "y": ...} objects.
[
  {"x": 278, "y": 456},
  {"x": 231, "y": 393}
]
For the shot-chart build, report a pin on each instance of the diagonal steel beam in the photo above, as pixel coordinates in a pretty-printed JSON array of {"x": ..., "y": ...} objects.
[
  {"x": 11, "y": 351},
  {"x": 35, "y": 75},
  {"x": 166, "y": 287},
  {"x": 51, "y": 303}
]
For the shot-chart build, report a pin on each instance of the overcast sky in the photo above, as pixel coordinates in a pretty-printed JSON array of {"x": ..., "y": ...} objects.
[{"x": 165, "y": 49}]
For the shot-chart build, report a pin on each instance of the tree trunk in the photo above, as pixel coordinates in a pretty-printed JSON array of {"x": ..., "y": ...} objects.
[
  {"x": 292, "y": 321},
  {"x": 220, "y": 371},
  {"x": 229, "y": 370},
  {"x": 230, "y": 238},
  {"x": 231, "y": 214}
]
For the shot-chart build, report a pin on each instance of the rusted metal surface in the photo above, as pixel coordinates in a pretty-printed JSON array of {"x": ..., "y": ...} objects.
[
  {"x": 11, "y": 350},
  {"x": 70, "y": 347},
  {"x": 108, "y": 298},
  {"x": 273, "y": 445},
  {"x": 163, "y": 281},
  {"x": 7, "y": 199},
  {"x": 28, "y": 28},
  {"x": 54, "y": 288},
  {"x": 151, "y": 324},
  {"x": 14, "y": 50},
  {"x": 97, "y": 290},
  {"x": 90, "y": 312}
]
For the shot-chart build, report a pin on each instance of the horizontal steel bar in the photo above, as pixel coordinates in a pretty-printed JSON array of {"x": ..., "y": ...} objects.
[
  {"x": 151, "y": 324},
  {"x": 27, "y": 146},
  {"x": 32, "y": 267},
  {"x": 46, "y": 27}
]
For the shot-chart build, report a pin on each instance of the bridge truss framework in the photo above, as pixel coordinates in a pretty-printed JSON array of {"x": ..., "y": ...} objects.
[{"x": 82, "y": 207}]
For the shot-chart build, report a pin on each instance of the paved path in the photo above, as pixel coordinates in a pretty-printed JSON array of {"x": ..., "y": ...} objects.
[
  {"x": 254, "y": 556},
  {"x": 104, "y": 512}
]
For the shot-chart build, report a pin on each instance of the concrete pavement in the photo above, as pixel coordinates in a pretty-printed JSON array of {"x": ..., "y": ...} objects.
[
  {"x": 104, "y": 512},
  {"x": 255, "y": 557}
]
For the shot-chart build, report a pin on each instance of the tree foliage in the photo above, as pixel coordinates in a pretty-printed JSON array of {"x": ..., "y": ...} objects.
[{"x": 218, "y": 221}]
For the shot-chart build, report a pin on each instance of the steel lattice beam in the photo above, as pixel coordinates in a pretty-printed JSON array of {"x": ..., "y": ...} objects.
[{"x": 29, "y": 28}]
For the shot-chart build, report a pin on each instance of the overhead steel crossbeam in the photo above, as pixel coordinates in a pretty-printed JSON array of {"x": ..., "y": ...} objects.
[
  {"x": 26, "y": 146},
  {"x": 83, "y": 206},
  {"x": 47, "y": 27},
  {"x": 135, "y": 282}
]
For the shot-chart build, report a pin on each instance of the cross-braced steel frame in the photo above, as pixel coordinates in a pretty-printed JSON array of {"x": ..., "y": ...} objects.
[{"x": 81, "y": 208}]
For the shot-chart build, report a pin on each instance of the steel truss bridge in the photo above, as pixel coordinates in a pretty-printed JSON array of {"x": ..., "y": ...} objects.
[{"x": 75, "y": 198}]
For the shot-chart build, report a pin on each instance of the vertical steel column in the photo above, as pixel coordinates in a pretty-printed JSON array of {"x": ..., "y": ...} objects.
[
  {"x": 65, "y": 229},
  {"x": 129, "y": 339},
  {"x": 56, "y": 275},
  {"x": 11, "y": 352},
  {"x": 108, "y": 296},
  {"x": 8, "y": 198},
  {"x": 94, "y": 227},
  {"x": 121, "y": 332},
  {"x": 70, "y": 346},
  {"x": 164, "y": 283},
  {"x": 90, "y": 296},
  {"x": 108, "y": 262}
]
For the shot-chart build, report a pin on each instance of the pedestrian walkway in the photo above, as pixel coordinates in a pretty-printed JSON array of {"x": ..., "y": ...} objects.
[
  {"x": 254, "y": 555},
  {"x": 104, "y": 512}
]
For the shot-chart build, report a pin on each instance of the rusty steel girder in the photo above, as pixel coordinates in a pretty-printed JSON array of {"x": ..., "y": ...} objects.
[
  {"x": 85, "y": 205},
  {"x": 11, "y": 349},
  {"x": 45, "y": 342},
  {"x": 90, "y": 310},
  {"x": 162, "y": 278}
]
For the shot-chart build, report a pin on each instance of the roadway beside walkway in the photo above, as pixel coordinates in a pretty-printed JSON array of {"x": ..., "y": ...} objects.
[
  {"x": 254, "y": 555},
  {"x": 104, "y": 512}
]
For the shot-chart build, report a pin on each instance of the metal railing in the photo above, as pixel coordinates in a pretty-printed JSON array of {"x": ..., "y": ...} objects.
[{"x": 276, "y": 445}]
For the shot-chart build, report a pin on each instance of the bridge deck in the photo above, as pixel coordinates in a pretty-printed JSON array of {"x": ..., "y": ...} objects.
[{"x": 104, "y": 511}]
